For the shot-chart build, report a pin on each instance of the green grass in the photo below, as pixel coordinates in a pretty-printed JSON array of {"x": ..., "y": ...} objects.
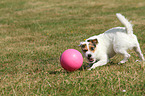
[{"x": 34, "y": 33}]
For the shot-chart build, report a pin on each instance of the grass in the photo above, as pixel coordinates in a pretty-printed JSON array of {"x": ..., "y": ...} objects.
[{"x": 34, "y": 33}]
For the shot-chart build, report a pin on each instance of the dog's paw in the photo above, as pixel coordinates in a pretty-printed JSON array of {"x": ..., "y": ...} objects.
[
  {"x": 122, "y": 62},
  {"x": 140, "y": 61},
  {"x": 90, "y": 69}
]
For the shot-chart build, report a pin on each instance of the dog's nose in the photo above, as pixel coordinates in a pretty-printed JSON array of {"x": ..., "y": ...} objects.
[{"x": 89, "y": 55}]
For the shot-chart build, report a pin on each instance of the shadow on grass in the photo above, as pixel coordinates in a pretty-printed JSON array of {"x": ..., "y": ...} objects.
[
  {"x": 112, "y": 63},
  {"x": 55, "y": 72},
  {"x": 59, "y": 72},
  {"x": 84, "y": 67},
  {"x": 63, "y": 71}
]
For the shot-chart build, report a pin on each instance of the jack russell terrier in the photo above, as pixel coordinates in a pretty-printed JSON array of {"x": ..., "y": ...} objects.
[{"x": 98, "y": 49}]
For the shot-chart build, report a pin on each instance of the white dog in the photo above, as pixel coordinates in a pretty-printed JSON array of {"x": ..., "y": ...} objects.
[{"x": 98, "y": 49}]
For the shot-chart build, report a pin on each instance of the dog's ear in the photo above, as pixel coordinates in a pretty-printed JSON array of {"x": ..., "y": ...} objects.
[
  {"x": 80, "y": 43},
  {"x": 94, "y": 41}
]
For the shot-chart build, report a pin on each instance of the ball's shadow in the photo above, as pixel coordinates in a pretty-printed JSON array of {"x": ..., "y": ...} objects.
[
  {"x": 59, "y": 72},
  {"x": 83, "y": 67}
]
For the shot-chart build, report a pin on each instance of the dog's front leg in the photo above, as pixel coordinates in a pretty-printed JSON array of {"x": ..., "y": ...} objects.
[{"x": 99, "y": 63}]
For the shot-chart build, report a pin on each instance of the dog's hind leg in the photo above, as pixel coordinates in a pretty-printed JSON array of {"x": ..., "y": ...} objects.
[
  {"x": 138, "y": 51},
  {"x": 125, "y": 54}
]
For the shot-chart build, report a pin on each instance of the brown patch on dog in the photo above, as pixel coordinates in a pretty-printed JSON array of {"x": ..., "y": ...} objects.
[
  {"x": 94, "y": 41},
  {"x": 84, "y": 48},
  {"x": 92, "y": 47},
  {"x": 92, "y": 44}
]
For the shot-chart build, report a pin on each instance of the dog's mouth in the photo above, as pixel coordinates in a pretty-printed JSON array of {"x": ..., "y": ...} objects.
[{"x": 90, "y": 59}]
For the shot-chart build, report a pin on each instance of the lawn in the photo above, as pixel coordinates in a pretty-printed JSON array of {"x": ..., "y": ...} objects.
[{"x": 34, "y": 33}]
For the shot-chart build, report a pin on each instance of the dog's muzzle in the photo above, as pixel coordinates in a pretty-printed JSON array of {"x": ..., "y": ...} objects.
[{"x": 89, "y": 58}]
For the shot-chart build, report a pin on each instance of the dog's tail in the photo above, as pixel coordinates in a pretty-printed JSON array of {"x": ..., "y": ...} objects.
[{"x": 125, "y": 22}]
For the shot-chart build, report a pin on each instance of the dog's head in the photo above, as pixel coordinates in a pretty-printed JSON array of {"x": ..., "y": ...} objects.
[{"x": 88, "y": 48}]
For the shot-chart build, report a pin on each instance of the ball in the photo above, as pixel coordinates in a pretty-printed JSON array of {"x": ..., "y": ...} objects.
[{"x": 71, "y": 59}]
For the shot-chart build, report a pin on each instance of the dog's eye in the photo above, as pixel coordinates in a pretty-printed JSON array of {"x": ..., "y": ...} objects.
[
  {"x": 83, "y": 46},
  {"x": 92, "y": 48},
  {"x": 85, "y": 50}
]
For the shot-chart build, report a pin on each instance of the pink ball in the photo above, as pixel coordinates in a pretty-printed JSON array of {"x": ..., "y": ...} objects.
[{"x": 71, "y": 60}]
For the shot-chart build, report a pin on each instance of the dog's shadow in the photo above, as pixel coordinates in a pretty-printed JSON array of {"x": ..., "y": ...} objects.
[
  {"x": 86, "y": 66},
  {"x": 112, "y": 63}
]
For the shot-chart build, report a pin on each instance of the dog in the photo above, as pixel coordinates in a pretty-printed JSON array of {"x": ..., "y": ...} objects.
[{"x": 98, "y": 49}]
